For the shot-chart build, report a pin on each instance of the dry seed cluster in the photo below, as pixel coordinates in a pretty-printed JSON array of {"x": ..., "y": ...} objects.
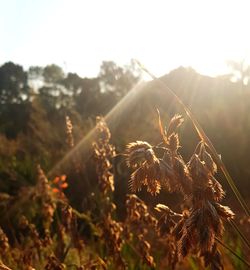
[{"x": 197, "y": 230}]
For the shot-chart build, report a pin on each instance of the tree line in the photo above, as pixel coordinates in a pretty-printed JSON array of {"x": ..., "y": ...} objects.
[{"x": 35, "y": 102}]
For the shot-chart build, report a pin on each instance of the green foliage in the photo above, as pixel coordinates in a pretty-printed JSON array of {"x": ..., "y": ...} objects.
[
  {"x": 53, "y": 74},
  {"x": 13, "y": 84}
]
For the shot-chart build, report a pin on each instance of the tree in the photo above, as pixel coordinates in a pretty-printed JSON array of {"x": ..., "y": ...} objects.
[
  {"x": 13, "y": 84},
  {"x": 116, "y": 79},
  {"x": 35, "y": 77},
  {"x": 73, "y": 83},
  {"x": 53, "y": 74},
  {"x": 35, "y": 73},
  {"x": 53, "y": 92},
  {"x": 240, "y": 71},
  {"x": 89, "y": 99}
]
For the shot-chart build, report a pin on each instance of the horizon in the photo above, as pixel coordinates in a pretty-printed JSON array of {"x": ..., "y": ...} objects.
[{"x": 145, "y": 76}]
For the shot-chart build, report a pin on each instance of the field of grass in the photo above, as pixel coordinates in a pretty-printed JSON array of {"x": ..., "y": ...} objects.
[
  {"x": 41, "y": 229},
  {"x": 144, "y": 197}
]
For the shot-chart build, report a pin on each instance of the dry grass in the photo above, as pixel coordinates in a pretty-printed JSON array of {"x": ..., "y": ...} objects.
[
  {"x": 41, "y": 230},
  {"x": 196, "y": 231}
]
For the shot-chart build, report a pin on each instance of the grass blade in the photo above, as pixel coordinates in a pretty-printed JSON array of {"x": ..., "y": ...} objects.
[
  {"x": 242, "y": 236},
  {"x": 232, "y": 252}
]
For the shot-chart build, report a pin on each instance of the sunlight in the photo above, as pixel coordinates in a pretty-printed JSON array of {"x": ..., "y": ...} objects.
[
  {"x": 84, "y": 146},
  {"x": 163, "y": 34},
  {"x": 111, "y": 114}
]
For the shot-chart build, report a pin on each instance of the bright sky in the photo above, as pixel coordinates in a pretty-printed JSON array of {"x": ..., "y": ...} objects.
[{"x": 79, "y": 34}]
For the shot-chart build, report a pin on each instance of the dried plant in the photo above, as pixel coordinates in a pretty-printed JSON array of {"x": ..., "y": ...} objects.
[
  {"x": 44, "y": 231},
  {"x": 111, "y": 229},
  {"x": 168, "y": 171},
  {"x": 54, "y": 264},
  {"x": 103, "y": 154},
  {"x": 138, "y": 225},
  {"x": 205, "y": 221},
  {"x": 197, "y": 230},
  {"x": 69, "y": 132}
]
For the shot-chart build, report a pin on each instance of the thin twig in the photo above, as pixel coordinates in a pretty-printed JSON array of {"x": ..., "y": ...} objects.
[
  {"x": 242, "y": 236},
  {"x": 233, "y": 252}
]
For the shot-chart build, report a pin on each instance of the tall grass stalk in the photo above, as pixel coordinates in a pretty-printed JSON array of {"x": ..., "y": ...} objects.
[
  {"x": 233, "y": 252},
  {"x": 203, "y": 137}
]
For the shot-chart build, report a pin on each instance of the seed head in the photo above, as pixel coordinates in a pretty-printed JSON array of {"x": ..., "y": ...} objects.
[
  {"x": 206, "y": 157},
  {"x": 175, "y": 122},
  {"x": 138, "y": 152},
  {"x": 173, "y": 142},
  {"x": 69, "y": 131}
]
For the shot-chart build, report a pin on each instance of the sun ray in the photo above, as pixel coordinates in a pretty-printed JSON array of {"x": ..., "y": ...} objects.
[{"x": 112, "y": 118}]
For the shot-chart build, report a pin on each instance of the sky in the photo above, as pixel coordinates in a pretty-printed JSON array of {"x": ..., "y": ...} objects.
[{"x": 162, "y": 34}]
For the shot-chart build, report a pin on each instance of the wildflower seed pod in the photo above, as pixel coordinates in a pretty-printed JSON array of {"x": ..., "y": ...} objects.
[
  {"x": 138, "y": 152},
  {"x": 173, "y": 142},
  {"x": 175, "y": 122},
  {"x": 69, "y": 132},
  {"x": 198, "y": 172},
  {"x": 206, "y": 157},
  {"x": 104, "y": 134}
]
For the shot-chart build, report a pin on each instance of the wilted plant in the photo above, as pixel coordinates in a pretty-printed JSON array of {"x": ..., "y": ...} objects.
[
  {"x": 103, "y": 154},
  {"x": 139, "y": 225},
  {"x": 111, "y": 229},
  {"x": 198, "y": 230},
  {"x": 168, "y": 171},
  {"x": 69, "y": 132}
]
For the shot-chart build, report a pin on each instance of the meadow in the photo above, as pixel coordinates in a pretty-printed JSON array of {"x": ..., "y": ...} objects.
[{"x": 142, "y": 187}]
